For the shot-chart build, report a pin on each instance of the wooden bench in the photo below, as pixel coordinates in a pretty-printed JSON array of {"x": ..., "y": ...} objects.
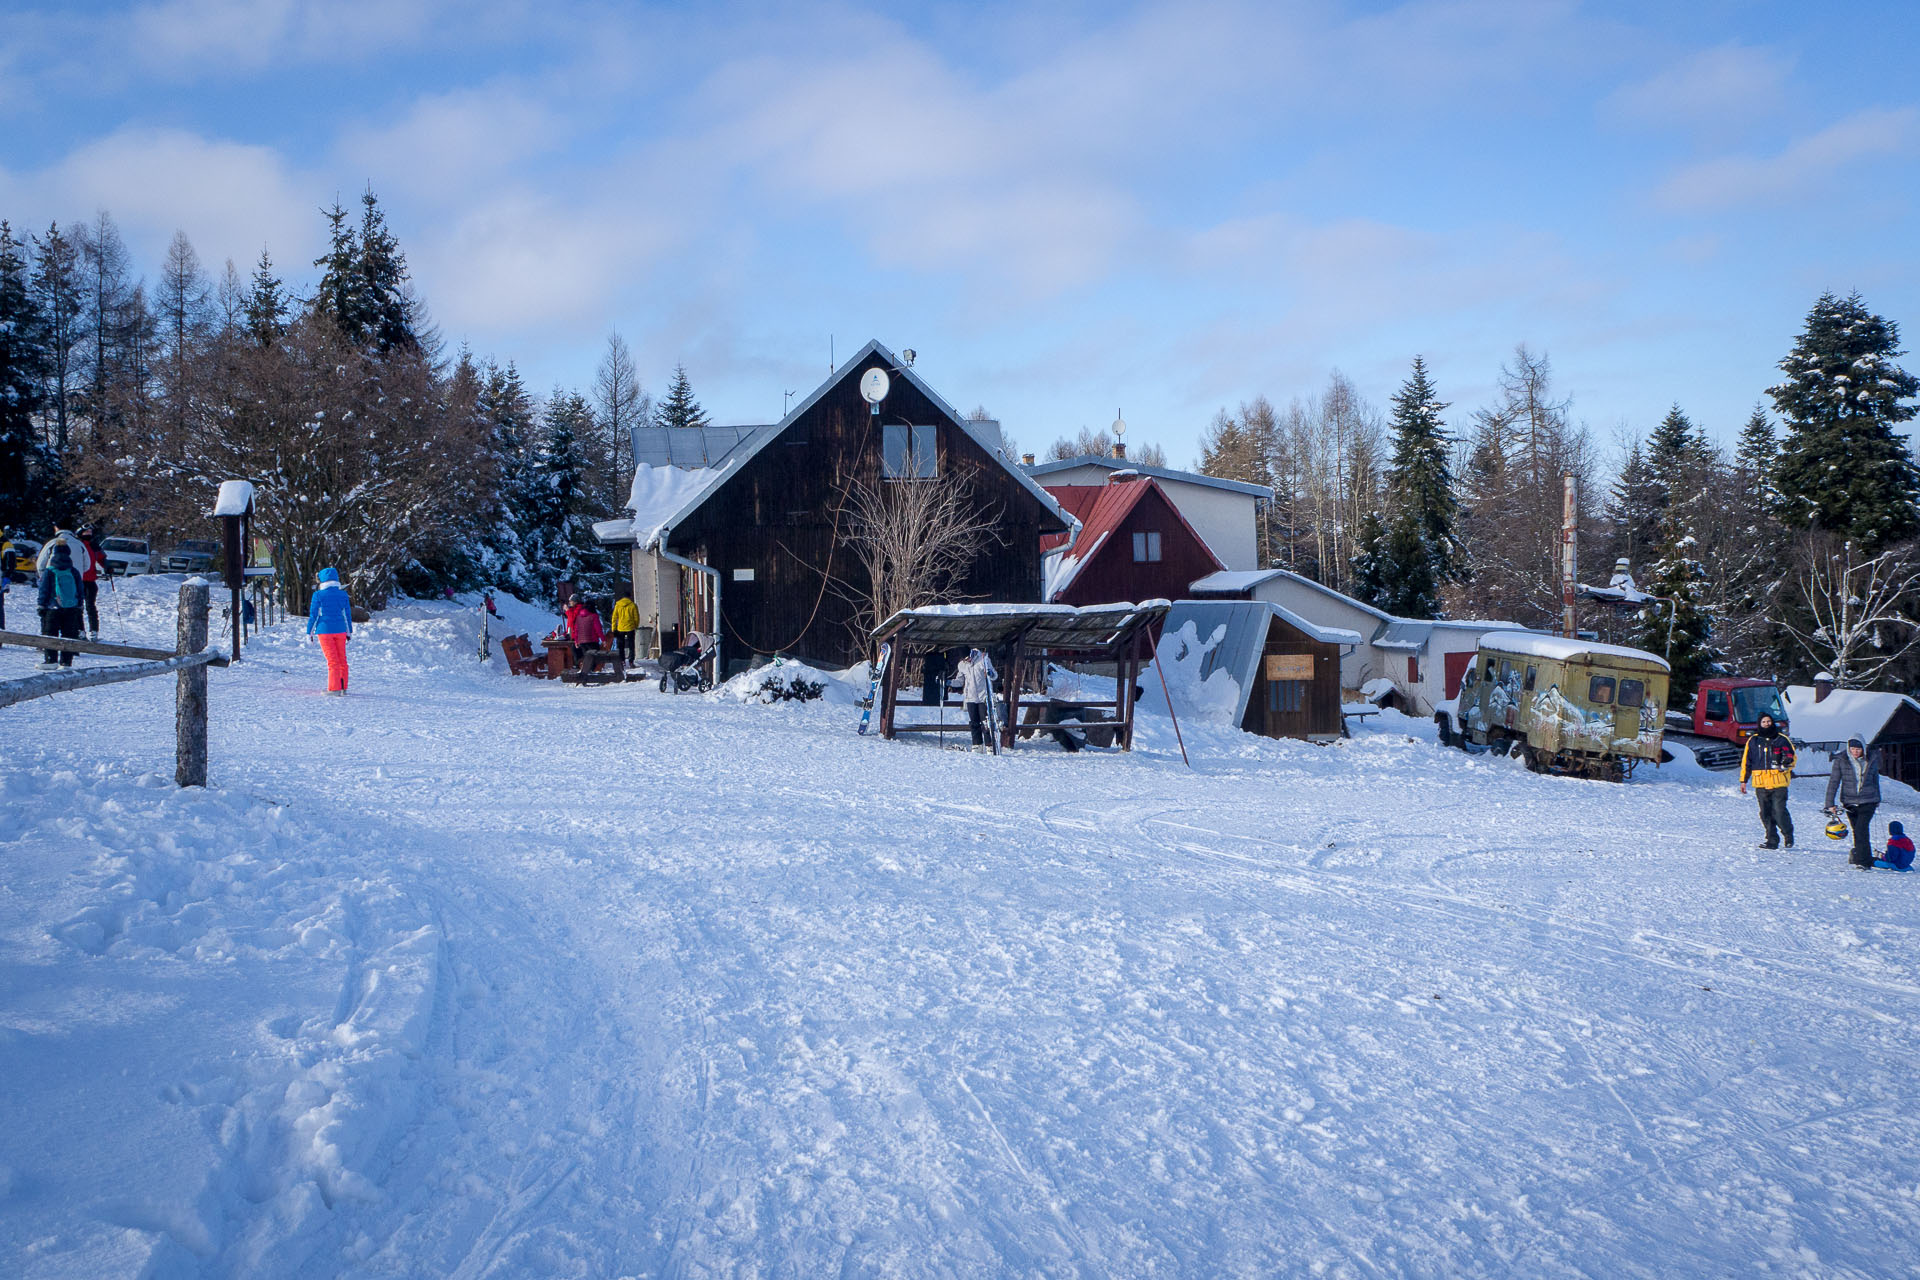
[{"x": 521, "y": 660}]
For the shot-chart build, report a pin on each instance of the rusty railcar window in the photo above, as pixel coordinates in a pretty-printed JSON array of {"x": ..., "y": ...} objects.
[
  {"x": 1600, "y": 691},
  {"x": 1632, "y": 692}
]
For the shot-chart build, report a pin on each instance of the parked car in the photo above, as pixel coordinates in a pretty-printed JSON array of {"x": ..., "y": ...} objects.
[
  {"x": 127, "y": 556},
  {"x": 1565, "y": 706},
  {"x": 25, "y": 551},
  {"x": 194, "y": 555}
]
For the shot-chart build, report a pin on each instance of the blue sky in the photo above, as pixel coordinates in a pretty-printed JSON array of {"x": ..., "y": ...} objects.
[{"x": 1065, "y": 208}]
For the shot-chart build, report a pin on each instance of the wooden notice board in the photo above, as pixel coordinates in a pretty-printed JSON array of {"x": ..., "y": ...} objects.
[{"x": 1289, "y": 666}]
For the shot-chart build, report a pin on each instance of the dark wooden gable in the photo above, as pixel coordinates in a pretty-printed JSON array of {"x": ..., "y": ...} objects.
[
  {"x": 774, "y": 530},
  {"x": 1111, "y": 574}
]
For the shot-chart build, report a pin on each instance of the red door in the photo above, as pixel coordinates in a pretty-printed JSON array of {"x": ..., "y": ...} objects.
[{"x": 1457, "y": 664}]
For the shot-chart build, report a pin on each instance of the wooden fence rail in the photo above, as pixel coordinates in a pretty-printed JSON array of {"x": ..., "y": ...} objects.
[{"x": 190, "y": 660}]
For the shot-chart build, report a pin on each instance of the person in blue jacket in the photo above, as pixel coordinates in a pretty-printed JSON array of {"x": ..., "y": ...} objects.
[{"x": 330, "y": 621}]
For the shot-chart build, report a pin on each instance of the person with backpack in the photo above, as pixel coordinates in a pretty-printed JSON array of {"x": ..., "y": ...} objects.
[
  {"x": 330, "y": 621},
  {"x": 1855, "y": 782},
  {"x": 60, "y": 596},
  {"x": 1768, "y": 762}
]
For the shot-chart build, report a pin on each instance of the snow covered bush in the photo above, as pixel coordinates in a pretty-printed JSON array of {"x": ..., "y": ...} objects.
[{"x": 778, "y": 682}]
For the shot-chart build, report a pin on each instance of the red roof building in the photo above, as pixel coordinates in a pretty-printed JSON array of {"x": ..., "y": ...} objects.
[{"x": 1134, "y": 545}]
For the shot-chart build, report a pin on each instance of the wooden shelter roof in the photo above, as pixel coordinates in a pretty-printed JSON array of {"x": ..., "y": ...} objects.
[{"x": 1101, "y": 628}]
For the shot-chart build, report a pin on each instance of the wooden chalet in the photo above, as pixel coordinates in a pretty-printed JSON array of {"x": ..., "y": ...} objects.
[
  {"x": 1133, "y": 544},
  {"x": 742, "y": 531}
]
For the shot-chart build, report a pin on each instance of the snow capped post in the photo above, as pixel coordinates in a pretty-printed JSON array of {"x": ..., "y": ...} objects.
[{"x": 234, "y": 507}]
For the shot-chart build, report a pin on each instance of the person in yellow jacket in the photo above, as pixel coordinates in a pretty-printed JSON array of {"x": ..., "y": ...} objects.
[
  {"x": 1768, "y": 762},
  {"x": 626, "y": 621}
]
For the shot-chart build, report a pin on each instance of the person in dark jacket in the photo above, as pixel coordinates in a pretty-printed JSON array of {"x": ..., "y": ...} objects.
[
  {"x": 330, "y": 621},
  {"x": 61, "y": 592},
  {"x": 1855, "y": 782},
  {"x": 1768, "y": 763}
]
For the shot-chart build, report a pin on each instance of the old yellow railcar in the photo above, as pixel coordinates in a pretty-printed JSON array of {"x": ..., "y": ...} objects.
[{"x": 1567, "y": 706}]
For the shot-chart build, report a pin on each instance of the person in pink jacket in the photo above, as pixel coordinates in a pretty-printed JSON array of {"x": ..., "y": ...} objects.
[{"x": 584, "y": 629}]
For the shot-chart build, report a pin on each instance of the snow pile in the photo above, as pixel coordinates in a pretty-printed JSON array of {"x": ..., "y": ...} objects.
[
  {"x": 1199, "y": 691},
  {"x": 785, "y": 680},
  {"x": 657, "y": 495}
]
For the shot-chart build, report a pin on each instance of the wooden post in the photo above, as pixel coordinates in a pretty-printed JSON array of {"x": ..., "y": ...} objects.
[
  {"x": 1011, "y": 683},
  {"x": 890, "y": 687},
  {"x": 190, "y": 698}
]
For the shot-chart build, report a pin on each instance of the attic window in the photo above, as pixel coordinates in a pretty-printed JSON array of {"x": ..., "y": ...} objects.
[
  {"x": 909, "y": 453},
  {"x": 1146, "y": 548}
]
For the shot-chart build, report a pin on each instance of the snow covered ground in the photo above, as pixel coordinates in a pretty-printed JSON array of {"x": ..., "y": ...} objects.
[{"x": 468, "y": 975}]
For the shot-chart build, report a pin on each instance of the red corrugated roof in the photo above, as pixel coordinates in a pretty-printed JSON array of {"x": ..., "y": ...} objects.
[{"x": 1102, "y": 509}]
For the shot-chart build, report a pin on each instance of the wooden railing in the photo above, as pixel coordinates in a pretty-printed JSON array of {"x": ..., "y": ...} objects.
[{"x": 190, "y": 659}]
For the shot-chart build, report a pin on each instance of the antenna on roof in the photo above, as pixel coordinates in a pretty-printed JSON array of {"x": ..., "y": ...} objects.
[{"x": 831, "y": 366}]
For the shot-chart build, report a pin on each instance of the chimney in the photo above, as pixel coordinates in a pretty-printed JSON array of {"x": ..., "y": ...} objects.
[
  {"x": 1026, "y": 459},
  {"x": 1120, "y": 451},
  {"x": 1822, "y": 686}
]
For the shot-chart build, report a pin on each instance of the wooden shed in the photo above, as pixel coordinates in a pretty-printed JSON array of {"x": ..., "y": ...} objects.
[{"x": 1256, "y": 666}]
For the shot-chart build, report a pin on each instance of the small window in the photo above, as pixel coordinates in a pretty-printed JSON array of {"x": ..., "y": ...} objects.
[
  {"x": 1146, "y": 548},
  {"x": 909, "y": 453},
  {"x": 1632, "y": 692},
  {"x": 1531, "y": 672},
  {"x": 1506, "y": 672},
  {"x": 1600, "y": 691},
  {"x": 1716, "y": 704},
  {"x": 1286, "y": 695}
]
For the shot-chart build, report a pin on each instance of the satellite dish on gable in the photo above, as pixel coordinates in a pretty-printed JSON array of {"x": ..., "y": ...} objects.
[{"x": 874, "y": 384}]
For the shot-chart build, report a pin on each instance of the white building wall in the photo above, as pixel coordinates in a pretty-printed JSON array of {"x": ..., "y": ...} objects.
[
  {"x": 1357, "y": 667},
  {"x": 1228, "y": 522}
]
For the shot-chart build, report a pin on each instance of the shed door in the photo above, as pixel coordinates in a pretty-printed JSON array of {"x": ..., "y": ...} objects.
[
  {"x": 1293, "y": 692},
  {"x": 1457, "y": 664}
]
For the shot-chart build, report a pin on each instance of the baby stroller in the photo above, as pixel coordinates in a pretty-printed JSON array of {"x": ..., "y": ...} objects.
[{"x": 685, "y": 668}]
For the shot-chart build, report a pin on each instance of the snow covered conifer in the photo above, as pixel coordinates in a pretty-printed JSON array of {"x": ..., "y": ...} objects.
[
  {"x": 1842, "y": 467},
  {"x": 56, "y": 294},
  {"x": 1421, "y": 496},
  {"x": 266, "y": 304},
  {"x": 680, "y": 409},
  {"x": 1754, "y": 457},
  {"x": 23, "y": 359}
]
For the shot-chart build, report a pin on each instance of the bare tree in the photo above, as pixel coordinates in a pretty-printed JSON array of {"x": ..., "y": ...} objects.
[
  {"x": 623, "y": 404},
  {"x": 1860, "y": 608},
  {"x": 915, "y": 539},
  {"x": 1099, "y": 443}
]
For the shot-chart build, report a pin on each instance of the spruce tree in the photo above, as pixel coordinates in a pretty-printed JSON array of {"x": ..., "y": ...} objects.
[
  {"x": 1373, "y": 569},
  {"x": 1842, "y": 467},
  {"x": 1422, "y": 531},
  {"x": 23, "y": 360},
  {"x": 1673, "y": 454},
  {"x": 1633, "y": 511},
  {"x": 387, "y": 319},
  {"x": 1754, "y": 458},
  {"x": 680, "y": 409},
  {"x": 561, "y": 514},
  {"x": 507, "y": 545},
  {"x": 338, "y": 297},
  {"x": 266, "y": 304},
  {"x": 1675, "y": 627}
]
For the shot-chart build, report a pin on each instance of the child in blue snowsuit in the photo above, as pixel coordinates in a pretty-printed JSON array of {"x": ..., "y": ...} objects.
[{"x": 1899, "y": 854}]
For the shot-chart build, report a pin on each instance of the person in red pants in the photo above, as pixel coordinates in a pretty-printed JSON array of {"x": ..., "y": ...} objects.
[{"x": 330, "y": 621}]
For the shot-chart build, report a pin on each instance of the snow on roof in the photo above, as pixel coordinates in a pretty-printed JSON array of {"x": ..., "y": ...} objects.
[
  {"x": 1141, "y": 468},
  {"x": 1067, "y": 568},
  {"x": 656, "y": 495},
  {"x": 1561, "y": 649},
  {"x": 1842, "y": 714},
  {"x": 236, "y": 498},
  {"x": 1233, "y": 580}
]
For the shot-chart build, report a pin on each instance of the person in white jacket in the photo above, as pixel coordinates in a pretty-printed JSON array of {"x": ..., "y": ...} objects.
[
  {"x": 82, "y": 557},
  {"x": 976, "y": 688}
]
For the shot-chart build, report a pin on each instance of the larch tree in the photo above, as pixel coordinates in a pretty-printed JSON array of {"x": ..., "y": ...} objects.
[{"x": 57, "y": 295}]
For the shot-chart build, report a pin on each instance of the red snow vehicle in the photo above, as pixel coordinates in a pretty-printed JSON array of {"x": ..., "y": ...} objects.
[{"x": 1730, "y": 707}]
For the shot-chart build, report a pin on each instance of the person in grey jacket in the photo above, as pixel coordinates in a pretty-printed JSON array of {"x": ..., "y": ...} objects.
[{"x": 1855, "y": 780}]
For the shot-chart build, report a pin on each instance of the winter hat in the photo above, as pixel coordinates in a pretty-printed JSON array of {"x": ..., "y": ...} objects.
[
  {"x": 1857, "y": 741},
  {"x": 1895, "y": 830},
  {"x": 329, "y": 575},
  {"x": 61, "y": 553}
]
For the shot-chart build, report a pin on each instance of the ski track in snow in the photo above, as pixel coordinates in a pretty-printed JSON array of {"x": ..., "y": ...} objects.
[{"x": 467, "y": 975}]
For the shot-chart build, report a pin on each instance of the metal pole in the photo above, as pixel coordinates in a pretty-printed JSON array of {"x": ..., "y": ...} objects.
[{"x": 1569, "y": 551}]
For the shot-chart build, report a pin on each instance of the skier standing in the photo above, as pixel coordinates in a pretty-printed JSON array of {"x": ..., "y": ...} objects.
[
  {"x": 330, "y": 621},
  {"x": 976, "y": 687},
  {"x": 1855, "y": 781},
  {"x": 1768, "y": 762},
  {"x": 60, "y": 594},
  {"x": 90, "y": 579}
]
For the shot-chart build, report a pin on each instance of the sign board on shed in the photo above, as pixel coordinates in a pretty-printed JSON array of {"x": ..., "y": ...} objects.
[{"x": 1289, "y": 666}]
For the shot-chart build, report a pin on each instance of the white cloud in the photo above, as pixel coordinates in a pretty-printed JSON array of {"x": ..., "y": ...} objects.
[
  {"x": 1730, "y": 85},
  {"x": 230, "y": 199},
  {"x": 1814, "y": 168},
  {"x": 186, "y": 39}
]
